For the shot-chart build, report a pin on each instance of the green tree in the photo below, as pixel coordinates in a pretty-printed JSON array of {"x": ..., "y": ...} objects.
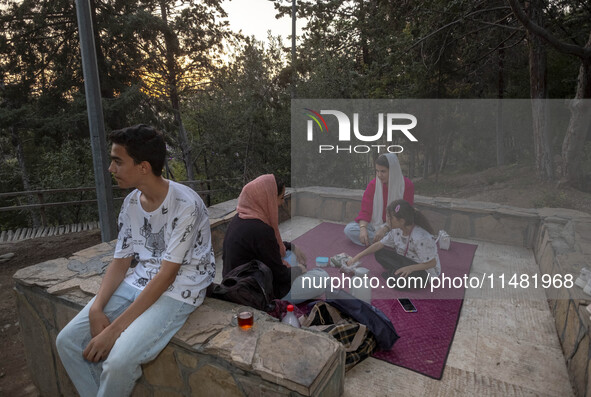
[
  {"x": 577, "y": 14},
  {"x": 180, "y": 55},
  {"x": 240, "y": 120},
  {"x": 435, "y": 49},
  {"x": 416, "y": 49},
  {"x": 42, "y": 104}
]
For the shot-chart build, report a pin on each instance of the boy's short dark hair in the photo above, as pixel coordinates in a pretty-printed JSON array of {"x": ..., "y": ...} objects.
[{"x": 143, "y": 143}]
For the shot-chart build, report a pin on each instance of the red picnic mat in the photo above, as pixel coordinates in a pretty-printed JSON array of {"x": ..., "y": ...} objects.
[{"x": 425, "y": 336}]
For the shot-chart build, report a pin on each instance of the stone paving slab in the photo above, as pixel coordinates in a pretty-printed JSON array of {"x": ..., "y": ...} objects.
[{"x": 504, "y": 345}]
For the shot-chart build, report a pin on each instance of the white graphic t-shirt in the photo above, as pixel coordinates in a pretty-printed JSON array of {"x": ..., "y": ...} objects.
[
  {"x": 178, "y": 231},
  {"x": 421, "y": 247}
]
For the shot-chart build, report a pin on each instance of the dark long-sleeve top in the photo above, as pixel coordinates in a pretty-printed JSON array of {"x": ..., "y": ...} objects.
[{"x": 248, "y": 239}]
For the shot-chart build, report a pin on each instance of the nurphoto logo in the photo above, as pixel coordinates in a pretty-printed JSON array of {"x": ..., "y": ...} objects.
[{"x": 394, "y": 123}]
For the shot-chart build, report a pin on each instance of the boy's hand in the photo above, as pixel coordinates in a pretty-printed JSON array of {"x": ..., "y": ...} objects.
[
  {"x": 98, "y": 322},
  {"x": 100, "y": 346}
]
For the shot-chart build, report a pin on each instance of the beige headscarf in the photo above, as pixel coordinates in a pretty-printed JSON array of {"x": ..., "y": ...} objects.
[
  {"x": 395, "y": 190},
  {"x": 258, "y": 200}
]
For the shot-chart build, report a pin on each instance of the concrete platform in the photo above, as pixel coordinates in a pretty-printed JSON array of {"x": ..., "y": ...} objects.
[{"x": 505, "y": 342}]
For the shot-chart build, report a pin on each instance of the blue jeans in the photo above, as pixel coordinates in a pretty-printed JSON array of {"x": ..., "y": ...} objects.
[
  {"x": 300, "y": 291},
  {"x": 309, "y": 285},
  {"x": 352, "y": 231},
  {"x": 138, "y": 344}
]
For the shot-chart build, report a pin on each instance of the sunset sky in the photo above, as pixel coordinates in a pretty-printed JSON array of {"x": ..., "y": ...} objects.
[{"x": 255, "y": 17}]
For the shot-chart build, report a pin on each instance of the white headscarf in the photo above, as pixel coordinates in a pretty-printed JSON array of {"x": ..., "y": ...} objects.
[{"x": 395, "y": 190}]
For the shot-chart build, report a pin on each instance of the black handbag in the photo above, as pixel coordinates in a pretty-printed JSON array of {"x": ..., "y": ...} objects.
[{"x": 250, "y": 284}]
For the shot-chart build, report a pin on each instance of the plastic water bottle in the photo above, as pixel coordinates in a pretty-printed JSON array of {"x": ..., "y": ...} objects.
[{"x": 290, "y": 318}]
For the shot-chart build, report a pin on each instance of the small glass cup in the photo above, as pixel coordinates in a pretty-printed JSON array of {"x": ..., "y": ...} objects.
[{"x": 244, "y": 318}]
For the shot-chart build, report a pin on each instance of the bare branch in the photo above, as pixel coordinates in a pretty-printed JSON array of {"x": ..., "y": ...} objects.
[
  {"x": 578, "y": 51},
  {"x": 501, "y": 44},
  {"x": 498, "y": 23},
  {"x": 459, "y": 20}
]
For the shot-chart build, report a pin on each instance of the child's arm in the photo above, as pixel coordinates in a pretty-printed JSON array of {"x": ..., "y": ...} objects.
[
  {"x": 406, "y": 270},
  {"x": 369, "y": 250}
]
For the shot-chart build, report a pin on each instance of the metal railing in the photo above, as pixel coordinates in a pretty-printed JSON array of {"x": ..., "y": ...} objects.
[{"x": 41, "y": 196}]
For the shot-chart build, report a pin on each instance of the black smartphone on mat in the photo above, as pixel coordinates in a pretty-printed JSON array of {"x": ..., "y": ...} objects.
[{"x": 407, "y": 305}]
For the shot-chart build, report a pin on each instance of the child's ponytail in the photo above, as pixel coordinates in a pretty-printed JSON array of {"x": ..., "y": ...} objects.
[
  {"x": 423, "y": 222},
  {"x": 403, "y": 210}
]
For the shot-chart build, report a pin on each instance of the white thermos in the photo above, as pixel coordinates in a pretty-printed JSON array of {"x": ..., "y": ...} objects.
[{"x": 360, "y": 285}]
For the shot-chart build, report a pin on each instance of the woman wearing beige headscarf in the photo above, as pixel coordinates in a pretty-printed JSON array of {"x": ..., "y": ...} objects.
[
  {"x": 254, "y": 234},
  {"x": 389, "y": 185}
]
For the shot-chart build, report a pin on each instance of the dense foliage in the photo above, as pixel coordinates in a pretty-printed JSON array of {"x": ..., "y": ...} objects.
[{"x": 223, "y": 101}]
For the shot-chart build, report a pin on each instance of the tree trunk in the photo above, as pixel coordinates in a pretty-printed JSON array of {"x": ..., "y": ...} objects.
[
  {"x": 20, "y": 156},
  {"x": 578, "y": 127},
  {"x": 207, "y": 178},
  {"x": 538, "y": 92},
  {"x": 294, "y": 71},
  {"x": 435, "y": 156},
  {"x": 167, "y": 171},
  {"x": 174, "y": 95},
  {"x": 363, "y": 36},
  {"x": 425, "y": 162},
  {"x": 499, "y": 126},
  {"x": 411, "y": 167},
  {"x": 245, "y": 176},
  {"x": 446, "y": 147}
]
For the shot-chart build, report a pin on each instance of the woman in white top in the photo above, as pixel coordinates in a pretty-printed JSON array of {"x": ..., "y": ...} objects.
[{"x": 408, "y": 249}]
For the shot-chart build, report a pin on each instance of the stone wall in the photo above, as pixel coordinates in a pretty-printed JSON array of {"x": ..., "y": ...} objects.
[
  {"x": 460, "y": 218},
  {"x": 563, "y": 246},
  {"x": 207, "y": 357}
]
